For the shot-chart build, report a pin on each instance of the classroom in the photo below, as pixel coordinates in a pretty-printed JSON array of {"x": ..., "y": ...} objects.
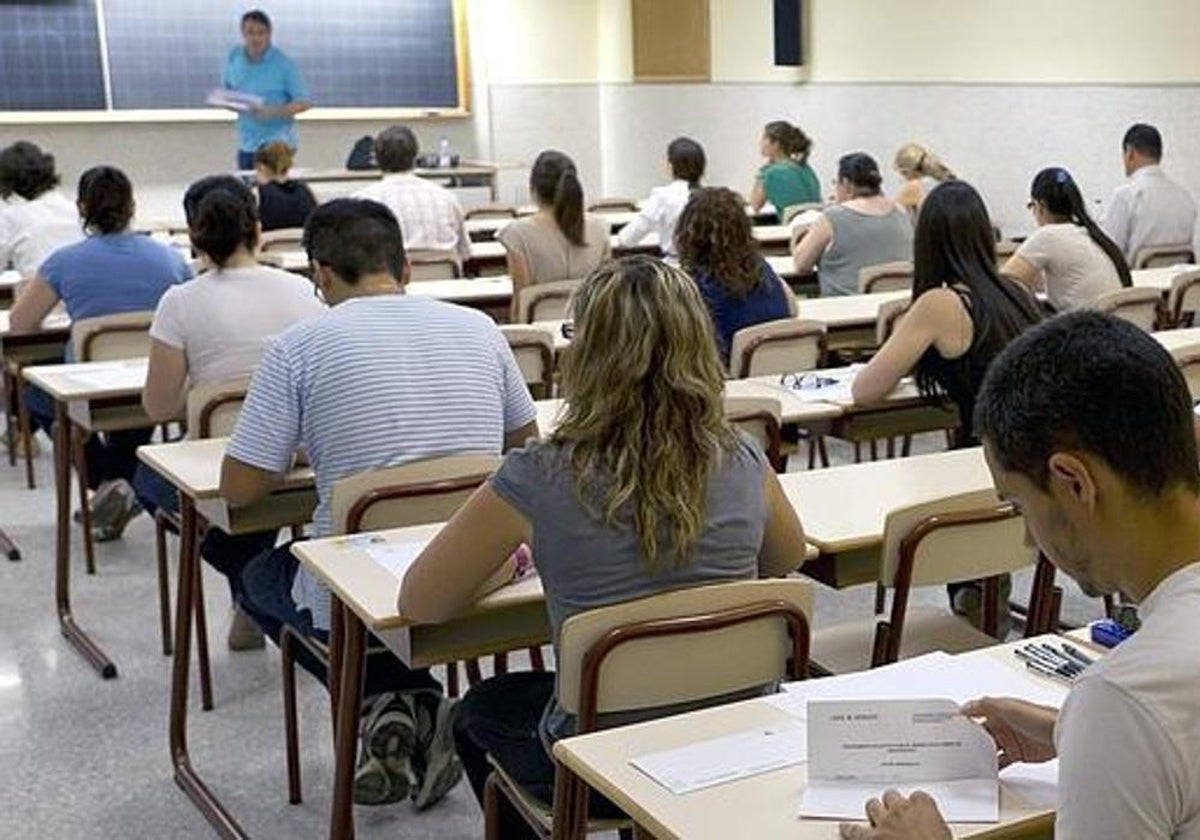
[{"x": 641, "y": 418}]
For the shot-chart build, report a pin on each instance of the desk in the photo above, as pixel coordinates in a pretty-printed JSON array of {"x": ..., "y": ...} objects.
[
  {"x": 764, "y": 806},
  {"x": 485, "y": 229},
  {"x": 88, "y": 397},
  {"x": 9, "y": 281},
  {"x": 1175, "y": 340},
  {"x": 19, "y": 350},
  {"x": 472, "y": 170},
  {"x": 1158, "y": 278},
  {"x": 492, "y": 295}
]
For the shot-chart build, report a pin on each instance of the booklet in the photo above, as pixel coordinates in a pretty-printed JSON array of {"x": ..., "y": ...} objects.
[
  {"x": 857, "y": 748},
  {"x": 235, "y": 99}
]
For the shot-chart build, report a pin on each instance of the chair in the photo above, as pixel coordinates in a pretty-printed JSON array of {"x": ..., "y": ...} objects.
[
  {"x": 761, "y": 418},
  {"x": 533, "y": 348},
  {"x": 782, "y": 346},
  {"x": 1184, "y": 298},
  {"x": 1157, "y": 256},
  {"x": 613, "y": 205},
  {"x": 793, "y": 210},
  {"x": 416, "y": 493},
  {"x": 433, "y": 265},
  {"x": 282, "y": 239},
  {"x": 1188, "y": 360},
  {"x": 544, "y": 301},
  {"x": 885, "y": 277},
  {"x": 692, "y": 646},
  {"x": 1139, "y": 306},
  {"x": 956, "y": 538},
  {"x": 492, "y": 211}
]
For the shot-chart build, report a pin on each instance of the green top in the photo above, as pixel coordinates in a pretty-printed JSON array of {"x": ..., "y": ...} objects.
[{"x": 787, "y": 182}]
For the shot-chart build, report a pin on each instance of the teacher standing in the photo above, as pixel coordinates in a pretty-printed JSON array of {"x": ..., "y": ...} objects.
[{"x": 259, "y": 68}]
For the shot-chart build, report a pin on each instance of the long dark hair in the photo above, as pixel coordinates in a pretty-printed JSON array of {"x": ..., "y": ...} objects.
[
  {"x": 1057, "y": 190},
  {"x": 554, "y": 181},
  {"x": 105, "y": 200},
  {"x": 954, "y": 245},
  {"x": 713, "y": 237}
]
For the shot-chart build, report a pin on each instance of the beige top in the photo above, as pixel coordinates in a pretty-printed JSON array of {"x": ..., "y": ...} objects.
[
  {"x": 547, "y": 253},
  {"x": 1077, "y": 269}
]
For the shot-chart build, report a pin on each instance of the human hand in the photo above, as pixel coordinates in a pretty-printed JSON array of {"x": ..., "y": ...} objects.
[
  {"x": 897, "y": 817},
  {"x": 1022, "y": 731}
]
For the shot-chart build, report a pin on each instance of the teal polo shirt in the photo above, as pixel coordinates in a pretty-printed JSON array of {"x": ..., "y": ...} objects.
[{"x": 275, "y": 78}]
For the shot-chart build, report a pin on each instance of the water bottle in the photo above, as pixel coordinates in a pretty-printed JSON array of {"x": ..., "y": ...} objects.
[{"x": 445, "y": 155}]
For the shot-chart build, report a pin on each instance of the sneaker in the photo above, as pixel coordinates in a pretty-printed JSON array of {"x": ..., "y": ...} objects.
[
  {"x": 107, "y": 503},
  {"x": 244, "y": 634},
  {"x": 967, "y": 602},
  {"x": 435, "y": 763},
  {"x": 374, "y": 785},
  {"x": 114, "y": 529},
  {"x": 389, "y": 731}
]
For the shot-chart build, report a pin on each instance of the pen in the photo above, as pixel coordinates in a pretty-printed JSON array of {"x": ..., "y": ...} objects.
[
  {"x": 1077, "y": 654},
  {"x": 1046, "y": 672},
  {"x": 1032, "y": 657},
  {"x": 1060, "y": 657}
]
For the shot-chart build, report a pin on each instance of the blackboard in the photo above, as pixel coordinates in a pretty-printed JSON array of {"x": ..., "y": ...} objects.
[{"x": 169, "y": 55}]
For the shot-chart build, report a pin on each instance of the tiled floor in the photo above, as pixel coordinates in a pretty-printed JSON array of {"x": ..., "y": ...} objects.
[{"x": 82, "y": 757}]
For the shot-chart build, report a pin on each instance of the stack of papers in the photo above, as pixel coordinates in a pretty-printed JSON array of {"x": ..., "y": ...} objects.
[
  {"x": 234, "y": 99},
  {"x": 707, "y": 763}
]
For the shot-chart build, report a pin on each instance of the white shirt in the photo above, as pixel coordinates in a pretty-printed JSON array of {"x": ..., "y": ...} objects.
[
  {"x": 1077, "y": 270},
  {"x": 1128, "y": 736},
  {"x": 378, "y": 382},
  {"x": 31, "y": 230},
  {"x": 223, "y": 319},
  {"x": 659, "y": 214},
  {"x": 429, "y": 214},
  {"x": 1150, "y": 209}
]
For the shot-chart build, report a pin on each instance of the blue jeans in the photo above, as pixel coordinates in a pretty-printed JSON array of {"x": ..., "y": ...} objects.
[
  {"x": 265, "y": 593},
  {"x": 154, "y": 491},
  {"x": 245, "y": 160}
]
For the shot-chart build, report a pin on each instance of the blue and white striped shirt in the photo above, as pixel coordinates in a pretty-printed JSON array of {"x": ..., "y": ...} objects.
[{"x": 377, "y": 382}]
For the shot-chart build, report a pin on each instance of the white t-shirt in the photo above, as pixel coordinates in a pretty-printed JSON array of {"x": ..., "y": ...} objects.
[
  {"x": 1128, "y": 736},
  {"x": 222, "y": 319},
  {"x": 1150, "y": 209},
  {"x": 1077, "y": 269},
  {"x": 31, "y": 230},
  {"x": 659, "y": 214}
]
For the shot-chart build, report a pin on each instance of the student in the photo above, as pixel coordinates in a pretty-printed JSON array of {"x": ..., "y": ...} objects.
[
  {"x": 560, "y": 241},
  {"x": 921, "y": 170},
  {"x": 429, "y": 214},
  {"x": 864, "y": 228},
  {"x": 1149, "y": 208},
  {"x": 112, "y": 271},
  {"x": 1068, "y": 255},
  {"x": 282, "y": 202},
  {"x": 379, "y": 380},
  {"x": 785, "y": 179},
  {"x": 661, "y": 210},
  {"x": 718, "y": 250},
  {"x": 1087, "y": 427},
  {"x": 611, "y": 513},
  {"x": 36, "y": 218},
  {"x": 214, "y": 329}
]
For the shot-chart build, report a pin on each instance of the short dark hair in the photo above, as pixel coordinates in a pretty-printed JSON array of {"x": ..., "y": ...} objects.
[
  {"x": 686, "y": 157},
  {"x": 861, "y": 170},
  {"x": 355, "y": 236},
  {"x": 1090, "y": 382},
  {"x": 26, "y": 170},
  {"x": 396, "y": 149},
  {"x": 222, "y": 214},
  {"x": 256, "y": 16},
  {"x": 1143, "y": 139},
  {"x": 105, "y": 197}
]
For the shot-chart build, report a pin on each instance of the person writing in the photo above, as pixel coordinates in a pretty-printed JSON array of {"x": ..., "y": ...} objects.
[{"x": 263, "y": 70}]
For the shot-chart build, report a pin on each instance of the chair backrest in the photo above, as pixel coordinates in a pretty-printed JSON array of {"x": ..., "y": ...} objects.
[
  {"x": 793, "y": 210},
  {"x": 684, "y": 646},
  {"x": 544, "y": 301},
  {"x": 762, "y": 419},
  {"x": 783, "y": 346},
  {"x": 613, "y": 204},
  {"x": 492, "y": 211},
  {"x": 433, "y": 265},
  {"x": 123, "y": 336},
  {"x": 417, "y": 493},
  {"x": 955, "y": 538},
  {"x": 885, "y": 320},
  {"x": 282, "y": 239},
  {"x": 1155, "y": 256},
  {"x": 1138, "y": 306},
  {"x": 213, "y": 408},
  {"x": 1188, "y": 360},
  {"x": 885, "y": 277},
  {"x": 1184, "y": 298},
  {"x": 533, "y": 348}
]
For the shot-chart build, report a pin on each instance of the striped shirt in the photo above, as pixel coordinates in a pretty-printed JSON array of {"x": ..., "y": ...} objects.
[{"x": 377, "y": 382}]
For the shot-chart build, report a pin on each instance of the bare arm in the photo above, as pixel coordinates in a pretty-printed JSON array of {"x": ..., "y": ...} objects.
[
  {"x": 516, "y": 439},
  {"x": 782, "y": 548},
  {"x": 812, "y": 245},
  {"x": 459, "y": 562},
  {"x": 909, "y": 196},
  {"x": 165, "y": 393},
  {"x": 1022, "y": 269},
  {"x": 758, "y": 195},
  {"x": 242, "y": 484},
  {"x": 32, "y": 305},
  {"x": 519, "y": 272}
]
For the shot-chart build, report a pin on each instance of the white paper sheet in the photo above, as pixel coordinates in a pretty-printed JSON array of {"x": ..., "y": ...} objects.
[
  {"x": 396, "y": 557},
  {"x": 235, "y": 99},
  {"x": 1033, "y": 785},
  {"x": 859, "y": 747},
  {"x": 727, "y": 759},
  {"x": 117, "y": 376}
]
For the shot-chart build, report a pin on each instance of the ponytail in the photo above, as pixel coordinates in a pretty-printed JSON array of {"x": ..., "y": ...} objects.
[
  {"x": 105, "y": 200},
  {"x": 554, "y": 182},
  {"x": 791, "y": 140},
  {"x": 222, "y": 216},
  {"x": 1057, "y": 190}
]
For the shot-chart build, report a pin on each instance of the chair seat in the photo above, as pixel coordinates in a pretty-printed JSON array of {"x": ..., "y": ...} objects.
[
  {"x": 541, "y": 811},
  {"x": 846, "y": 647}
]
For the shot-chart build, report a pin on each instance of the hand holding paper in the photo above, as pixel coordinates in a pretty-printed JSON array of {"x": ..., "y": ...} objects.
[
  {"x": 1023, "y": 731},
  {"x": 897, "y": 817}
]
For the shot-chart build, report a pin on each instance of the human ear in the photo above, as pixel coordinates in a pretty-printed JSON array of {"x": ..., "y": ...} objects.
[{"x": 1072, "y": 478}]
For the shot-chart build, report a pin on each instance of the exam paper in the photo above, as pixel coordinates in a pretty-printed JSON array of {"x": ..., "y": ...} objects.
[
  {"x": 859, "y": 747},
  {"x": 237, "y": 100},
  {"x": 396, "y": 557},
  {"x": 118, "y": 376},
  {"x": 707, "y": 763}
]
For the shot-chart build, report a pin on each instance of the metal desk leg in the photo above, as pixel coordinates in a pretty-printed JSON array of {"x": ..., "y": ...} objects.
[
  {"x": 350, "y": 687},
  {"x": 62, "y": 549},
  {"x": 185, "y": 775},
  {"x": 9, "y": 548}
]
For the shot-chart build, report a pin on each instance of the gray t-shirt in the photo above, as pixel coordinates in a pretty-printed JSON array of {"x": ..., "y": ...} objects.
[
  {"x": 861, "y": 240},
  {"x": 585, "y": 563}
]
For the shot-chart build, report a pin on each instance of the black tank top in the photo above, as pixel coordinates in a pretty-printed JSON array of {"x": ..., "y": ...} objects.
[{"x": 960, "y": 378}]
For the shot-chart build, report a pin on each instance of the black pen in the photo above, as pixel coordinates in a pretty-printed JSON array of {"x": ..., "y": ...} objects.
[
  {"x": 1033, "y": 656},
  {"x": 1076, "y": 654}
]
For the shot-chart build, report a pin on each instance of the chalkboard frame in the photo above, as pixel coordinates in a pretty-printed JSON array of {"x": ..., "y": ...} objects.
[{"x": 318, "y": 113}]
